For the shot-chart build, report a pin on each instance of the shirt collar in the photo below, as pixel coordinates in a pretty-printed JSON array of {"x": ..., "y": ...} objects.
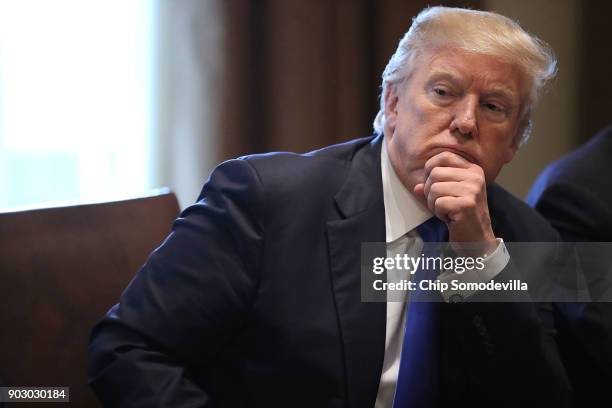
[{"x": 403, "y": 212}]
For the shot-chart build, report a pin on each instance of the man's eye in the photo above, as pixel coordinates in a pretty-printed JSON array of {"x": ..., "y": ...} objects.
[
  {"x": 492, "y": 107},
  {"x": 440, "y": 92}
]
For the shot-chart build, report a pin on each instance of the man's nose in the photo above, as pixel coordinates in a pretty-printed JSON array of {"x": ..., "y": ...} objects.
[{"x": 464, "y": 119}]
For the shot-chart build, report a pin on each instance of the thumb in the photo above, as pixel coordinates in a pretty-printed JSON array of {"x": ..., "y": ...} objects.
[{"x": 419, "y": 190}]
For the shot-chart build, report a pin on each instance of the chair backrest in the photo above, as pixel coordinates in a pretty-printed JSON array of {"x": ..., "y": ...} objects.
[{"x": 61, "y": 269}]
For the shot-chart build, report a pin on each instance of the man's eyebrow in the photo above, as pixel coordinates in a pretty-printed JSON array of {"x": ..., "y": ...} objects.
[
  {"x": 442, "y": 75},
  {"x": 502, "y": 92},
  {"x": 497, "y": 90}
]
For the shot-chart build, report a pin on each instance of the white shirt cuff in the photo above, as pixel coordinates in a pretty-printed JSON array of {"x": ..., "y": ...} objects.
[{"x": 493, "y": 265}]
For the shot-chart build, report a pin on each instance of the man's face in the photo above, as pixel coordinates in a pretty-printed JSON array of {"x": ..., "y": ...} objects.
[{"x": 455, "y": 101}]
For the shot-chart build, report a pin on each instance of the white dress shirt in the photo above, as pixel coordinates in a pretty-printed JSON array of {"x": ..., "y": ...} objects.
[{"x": 403, "y": 213}]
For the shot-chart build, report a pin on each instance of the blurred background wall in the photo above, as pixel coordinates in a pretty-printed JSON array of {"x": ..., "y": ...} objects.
[
  {"x": 557, "y": 123},
  {"x": 222, "y": 78},
  {"x": 298, "y": 75}
]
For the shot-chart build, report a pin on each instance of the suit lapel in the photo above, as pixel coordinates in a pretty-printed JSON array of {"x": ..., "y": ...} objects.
[{"x": 362, "y": 325}]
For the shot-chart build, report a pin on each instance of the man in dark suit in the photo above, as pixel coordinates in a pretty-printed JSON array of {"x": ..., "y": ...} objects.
[
  {"x": 254, "y": 299},
  {"x": 574, "y": 193}
]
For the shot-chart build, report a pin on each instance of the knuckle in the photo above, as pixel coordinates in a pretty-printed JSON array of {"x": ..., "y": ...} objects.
[
  {"x": 479, "y": 173},
  {"x": 447, "y": 155},
  {"x": 435, "y": 188},
  {"x": 436, "y": 204},
  {"x": 430, "y": 163},
  {"x": 480, "y": 177},
  {"x": 474, "y": 189},
  {"x": 441, "y": 202},
  {"x": 470, "y": 202}
]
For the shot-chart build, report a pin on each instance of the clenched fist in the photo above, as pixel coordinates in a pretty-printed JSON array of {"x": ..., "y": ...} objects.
[{"x": 455, "y": 191}]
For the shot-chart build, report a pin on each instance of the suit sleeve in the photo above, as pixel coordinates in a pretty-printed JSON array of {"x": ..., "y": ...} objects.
[{"x": 192, "y": 294}]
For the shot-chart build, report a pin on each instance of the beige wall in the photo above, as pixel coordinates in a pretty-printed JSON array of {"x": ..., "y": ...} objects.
[
  {"x": 189, "y": 52},
  {"x": 556, "y": 117}
]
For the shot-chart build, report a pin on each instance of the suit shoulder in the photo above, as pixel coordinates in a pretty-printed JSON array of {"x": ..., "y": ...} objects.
[
  {"x": 326, "y": 163},
  {"x": 297, "y": 183},
  {"x": 586, "y": 168},
  {"x": 585, "y": 163},
  {"x": 341, "y": 151}
]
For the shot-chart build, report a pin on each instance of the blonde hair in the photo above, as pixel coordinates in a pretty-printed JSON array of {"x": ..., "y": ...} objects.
[{"x": 474, "y": 31}]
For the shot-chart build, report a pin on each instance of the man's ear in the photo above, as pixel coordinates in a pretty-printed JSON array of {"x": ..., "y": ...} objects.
[{"x": 391, "y": 106}]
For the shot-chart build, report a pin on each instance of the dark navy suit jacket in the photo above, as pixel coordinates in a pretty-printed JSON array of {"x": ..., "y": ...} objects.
[
  {"x": 254, "y": 300},
  {"x": 575, "y": 195}
]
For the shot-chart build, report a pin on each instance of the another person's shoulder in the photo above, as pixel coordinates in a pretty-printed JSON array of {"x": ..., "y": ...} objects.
[
  {"x": 586, "y": 164},
  {"x": 516, "y": 220},
  {"x": 574, "y": 191}
]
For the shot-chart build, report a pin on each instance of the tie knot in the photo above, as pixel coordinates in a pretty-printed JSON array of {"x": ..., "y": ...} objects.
[{"x": 433, "y": 230}]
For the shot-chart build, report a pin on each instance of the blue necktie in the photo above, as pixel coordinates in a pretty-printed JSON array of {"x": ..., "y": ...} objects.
[{"x": 418, "y": 372}]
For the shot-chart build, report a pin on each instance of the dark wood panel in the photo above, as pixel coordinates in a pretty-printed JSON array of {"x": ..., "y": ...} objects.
[{"x": 61, "y": 269}]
